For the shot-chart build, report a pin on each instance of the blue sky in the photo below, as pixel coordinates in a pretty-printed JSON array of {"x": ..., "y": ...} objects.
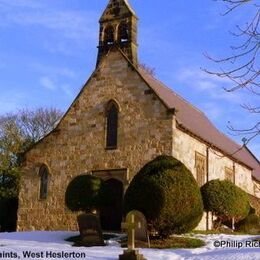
[{"x": 48, "y": 50}]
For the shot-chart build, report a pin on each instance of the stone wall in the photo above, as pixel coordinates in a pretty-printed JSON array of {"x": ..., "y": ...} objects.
[
  {"x": 256, "y": 188},
  {"x": 184, "y": 148},
  {"x": 78, "y": 144}
]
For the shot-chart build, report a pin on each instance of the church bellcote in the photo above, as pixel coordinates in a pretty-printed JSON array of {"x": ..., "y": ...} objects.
[{"x": 118, "y": 28}]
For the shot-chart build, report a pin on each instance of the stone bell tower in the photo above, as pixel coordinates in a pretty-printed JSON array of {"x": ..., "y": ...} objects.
[{"x": 118, "y": 28}]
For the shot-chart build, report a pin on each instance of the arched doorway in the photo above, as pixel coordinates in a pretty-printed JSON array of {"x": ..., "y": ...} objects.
[{"x": 111, "y": 213}]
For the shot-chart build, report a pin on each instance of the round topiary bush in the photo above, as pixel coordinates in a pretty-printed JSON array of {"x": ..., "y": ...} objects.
[
  {"x": 83, "y": 193},
  {"x": 167, "y": 194},
  {"x": 249, "y": 225},
  {"x": 225, "y": 200}
]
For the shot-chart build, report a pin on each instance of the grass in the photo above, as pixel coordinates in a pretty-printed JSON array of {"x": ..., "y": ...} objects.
[
  {"x": 170, "y": 243},
  {"x": 216, "y": 232}
]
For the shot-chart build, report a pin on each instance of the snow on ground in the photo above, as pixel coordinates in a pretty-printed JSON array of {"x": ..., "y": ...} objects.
[{"x": 44, "y": 245}]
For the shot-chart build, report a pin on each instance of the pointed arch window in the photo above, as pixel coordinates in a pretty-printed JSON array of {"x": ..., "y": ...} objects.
[
  {"x": 200, "y": 164},
  {"x": 111, "y": 125},
  {"x": 44, "y": 180},
  {"x": 123, "y": 32},
  {"x": 109, "y": 35},
  {"x": 229, "y": 174}
]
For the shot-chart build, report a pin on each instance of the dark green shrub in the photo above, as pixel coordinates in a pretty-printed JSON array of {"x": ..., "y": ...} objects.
[
  {"x": 83, "y": 193},
  {"x": 250, "y": 225},
  {"x": 225, "y": 200},
  {"x": 252, "y": 210},
  {"x": 167, "y": 194}
]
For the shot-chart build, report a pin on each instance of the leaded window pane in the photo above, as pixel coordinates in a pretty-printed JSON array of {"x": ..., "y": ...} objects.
[
  {"x": 200, "y": 163},
  {"x": 44, "y": 176},
  {"x": 112, "y": 125}
]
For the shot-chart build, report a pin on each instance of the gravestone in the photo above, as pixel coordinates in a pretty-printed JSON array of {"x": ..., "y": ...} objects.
[
  {"x": 90, "y": 230},
  {"x": 131, "y": 225},
  {"x": 141, "y": 233}
]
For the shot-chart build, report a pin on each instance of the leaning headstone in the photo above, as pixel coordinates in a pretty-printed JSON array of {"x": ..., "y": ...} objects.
[
  {"x": 90, "y": 230},
  {"x": 141, "y": 233},
  {"x": 130, "y": 225}
]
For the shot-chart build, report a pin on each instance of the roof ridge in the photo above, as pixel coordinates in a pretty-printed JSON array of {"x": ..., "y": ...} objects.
[{"x": 194, "y": 107}]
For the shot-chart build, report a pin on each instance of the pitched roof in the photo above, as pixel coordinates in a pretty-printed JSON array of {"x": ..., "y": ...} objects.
[
  {"x": 196, "y": 122},
  {"x": 125, "y": 3},
  {"x": 188, "y": 117}
]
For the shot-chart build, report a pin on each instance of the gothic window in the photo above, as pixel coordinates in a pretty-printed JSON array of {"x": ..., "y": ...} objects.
[
  {"x": 44, "y": 177},
  {"x": 109, "y": 35},
  {"x": 111, "y": 125},
  {"x": 229, "y": 174},
  {"x": 123, "y": 32},
  {"x": 200, "y": 164}
]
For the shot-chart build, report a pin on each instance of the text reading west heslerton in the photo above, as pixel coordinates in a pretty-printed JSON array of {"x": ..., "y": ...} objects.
[{"x": 54, "y": 255}]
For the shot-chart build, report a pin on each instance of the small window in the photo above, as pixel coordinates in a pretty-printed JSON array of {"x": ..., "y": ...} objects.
[
  {"x": 111, "y": 125},
  {"x": 200, "y": 164},
  {"x": 44, "y": 178},
  {"x": 229, "y": 174},
  {"x": 109, "y": 35},
  {"x": 123, "y": 32}
]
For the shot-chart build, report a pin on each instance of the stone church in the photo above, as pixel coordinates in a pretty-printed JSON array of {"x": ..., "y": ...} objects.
[{"x": 122, "y": 118}]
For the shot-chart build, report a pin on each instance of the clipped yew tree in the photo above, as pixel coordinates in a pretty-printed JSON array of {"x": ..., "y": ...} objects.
[
  {"x": 249, "y": 225},
  {"x": 225, "y": 200},
  {"x": 84, "y": 193},
  {"x": 165, "y": 191}
]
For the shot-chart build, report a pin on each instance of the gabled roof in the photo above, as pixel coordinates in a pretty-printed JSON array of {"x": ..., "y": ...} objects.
[
  {"x": 129, "y": 7},
  {"x": 196, "y": 122},
  {"x": 122, "y": 11},
  {"x": 189, "y": 118}
]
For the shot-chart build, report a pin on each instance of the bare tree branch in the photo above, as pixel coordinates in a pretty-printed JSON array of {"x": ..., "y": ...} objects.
[
  {"x": 241, "y": 67},
  {"x": 36, "y": 124},
  {"x": 149, "y": 70},
  {"x": 18, "y": 131}
]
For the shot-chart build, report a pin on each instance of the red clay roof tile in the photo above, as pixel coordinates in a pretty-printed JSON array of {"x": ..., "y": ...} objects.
[{"x": 197, "y": 123}]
